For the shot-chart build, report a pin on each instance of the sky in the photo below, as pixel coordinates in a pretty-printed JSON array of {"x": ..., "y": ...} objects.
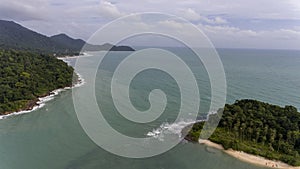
[{"x": 269, "y": 24}]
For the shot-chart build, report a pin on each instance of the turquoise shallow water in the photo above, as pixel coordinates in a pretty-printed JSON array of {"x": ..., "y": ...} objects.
[{"x": 51, "y": 137}]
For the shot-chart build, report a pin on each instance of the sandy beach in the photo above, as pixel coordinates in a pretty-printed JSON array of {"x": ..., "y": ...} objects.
[{"x": 257, "y": 160}]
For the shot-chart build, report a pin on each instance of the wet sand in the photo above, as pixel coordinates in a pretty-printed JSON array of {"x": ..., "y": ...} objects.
[{"x": 253, "y": 159}]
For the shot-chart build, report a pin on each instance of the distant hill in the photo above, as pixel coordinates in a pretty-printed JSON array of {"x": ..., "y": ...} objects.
[
  {"x": 107, "y": 46},
  {"x": 15, "y": 36},
  {"x": 66, "y": 42}
]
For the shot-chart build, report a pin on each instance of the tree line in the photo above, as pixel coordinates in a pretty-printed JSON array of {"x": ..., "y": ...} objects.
[
  {"x": 258, "y": 128},
  {"x": 27, "y": 76}
]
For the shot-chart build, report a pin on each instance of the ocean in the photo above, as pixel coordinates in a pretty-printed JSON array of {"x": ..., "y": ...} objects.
[{"x": 52, "y": 138}]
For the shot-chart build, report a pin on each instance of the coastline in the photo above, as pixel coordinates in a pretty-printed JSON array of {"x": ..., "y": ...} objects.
[
  {"x": 249, "y": 158},
  {"x": 73, "y": 56},
  {"x": 41, "y": 101}
]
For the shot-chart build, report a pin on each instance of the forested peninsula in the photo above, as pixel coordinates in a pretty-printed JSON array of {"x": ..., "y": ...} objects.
[
  {"x": 28, "y": 76},
  {"x": 256, "y": 128},
  {"x": 29, "y": 67}
]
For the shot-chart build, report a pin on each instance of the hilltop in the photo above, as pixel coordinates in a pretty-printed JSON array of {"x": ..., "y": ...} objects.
[{"x": 15, "y": 36}]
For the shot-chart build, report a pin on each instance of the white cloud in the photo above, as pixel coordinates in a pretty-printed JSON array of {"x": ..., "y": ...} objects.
[
  {"x": 170, "y": 24},
  {"x": 223, "y": 21},
  {"x": 228, "y": 36},
  {"x": 23, "y": 10},
  {"x": 216, "y": 20},
  {"x": 109, "y": 10},
  {"x": 219, "y": 20},
  {"x": 192, "y": 15},
  {"x": 282, "y": 34}
]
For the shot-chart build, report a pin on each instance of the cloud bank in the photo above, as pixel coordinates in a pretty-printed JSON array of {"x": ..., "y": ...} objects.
[{"x": 231, "y": 23}]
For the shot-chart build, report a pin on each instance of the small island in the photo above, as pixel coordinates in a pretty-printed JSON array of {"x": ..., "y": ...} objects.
[{"x": 256, "y": 128}]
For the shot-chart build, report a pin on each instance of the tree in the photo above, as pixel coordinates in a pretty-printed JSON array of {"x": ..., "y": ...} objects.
[
  {"x": 27, "y": 76},
  {"x": 258, "y": 128}
]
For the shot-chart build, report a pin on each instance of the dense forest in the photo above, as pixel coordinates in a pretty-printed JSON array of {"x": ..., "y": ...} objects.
[
  {"x": 27, "y": 76},
  {"x": 257, "y": 128}
]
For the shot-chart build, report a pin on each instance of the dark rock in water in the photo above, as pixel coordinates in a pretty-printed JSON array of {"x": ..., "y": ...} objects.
[{"x": 210, "y": 149}]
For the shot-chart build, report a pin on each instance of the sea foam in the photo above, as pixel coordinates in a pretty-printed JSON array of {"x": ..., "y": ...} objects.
[
  {"x": 170, "y": 129},
  {"x": 174, "y": 128}
]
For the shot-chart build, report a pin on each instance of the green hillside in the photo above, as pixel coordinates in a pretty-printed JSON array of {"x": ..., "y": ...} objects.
[{"x": 14, "y": 36}]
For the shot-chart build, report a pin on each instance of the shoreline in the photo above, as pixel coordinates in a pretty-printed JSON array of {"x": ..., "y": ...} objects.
[
  {"x": 249, "y": 158},
  {"x": 41, "y": 101},
  {"x": 85, "y": 54}
]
